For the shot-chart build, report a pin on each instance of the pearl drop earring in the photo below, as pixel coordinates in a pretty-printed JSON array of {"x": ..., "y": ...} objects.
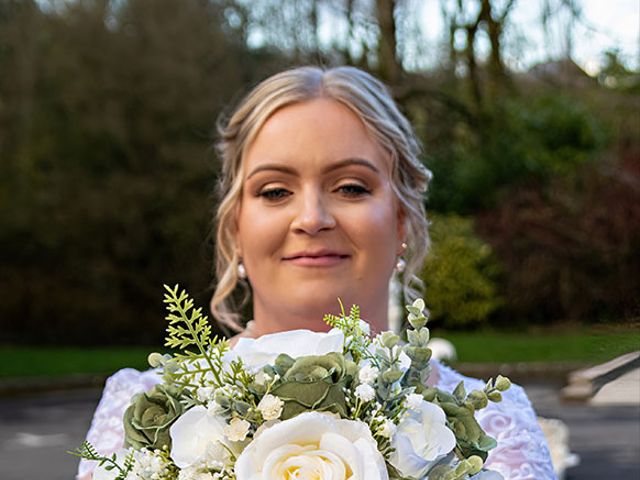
[
  {"x": 242, "y": 272},
  {"x": 401, "y": 264}
]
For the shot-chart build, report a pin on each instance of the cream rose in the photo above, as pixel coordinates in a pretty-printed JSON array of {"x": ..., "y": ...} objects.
[
  {"x": 256, "y": 353},
  {"x": 421, "y": 439},
  {"x": 313, "y": 445}
]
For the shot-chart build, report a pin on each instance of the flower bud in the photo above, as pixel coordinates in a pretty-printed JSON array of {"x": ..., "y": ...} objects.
[
  {"x": 475, "y": 464},
  {"x": 155, "y": 360},
  {"x": 478, "y": 399},
  {"x": 495, "y": 396},
  {"x": 502, "y": 383}
]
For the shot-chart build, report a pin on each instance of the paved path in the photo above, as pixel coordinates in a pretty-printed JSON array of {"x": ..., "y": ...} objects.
[
  {"x": 35, "y": 432},
  {"x": 606, "y": 437}
]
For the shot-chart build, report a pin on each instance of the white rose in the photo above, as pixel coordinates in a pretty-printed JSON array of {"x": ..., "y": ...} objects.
[
  {"x": 413, "y": 401},
  {"x": 198, "y": 437},
  {"x": 270, "y": 407},
  {"x": 313, "y": 445},
  {"x": 421, "y": 439},
  {"x": 256, "y": 353}
]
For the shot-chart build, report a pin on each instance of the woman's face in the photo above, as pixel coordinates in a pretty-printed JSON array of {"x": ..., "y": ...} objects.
[{"x": 318, "y": 218}]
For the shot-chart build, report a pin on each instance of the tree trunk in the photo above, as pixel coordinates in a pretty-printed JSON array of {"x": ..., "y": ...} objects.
[{"x": 389, "y": 68}]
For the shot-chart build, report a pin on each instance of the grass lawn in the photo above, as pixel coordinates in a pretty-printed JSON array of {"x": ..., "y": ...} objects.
[
  {"x": 538, "y": 347},
  {"x": 50, "y": 361},
  {"x": 472, "y": 347}
]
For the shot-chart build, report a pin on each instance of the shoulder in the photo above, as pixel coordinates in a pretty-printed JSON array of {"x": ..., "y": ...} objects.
[
  {"x": 131, "y": 380},
  {"x": 106, "y": 432},
  {"x": 522, "y": 452}
]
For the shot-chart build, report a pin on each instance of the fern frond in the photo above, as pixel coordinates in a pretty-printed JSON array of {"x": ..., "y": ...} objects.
[{"x": 189, "y": 328}]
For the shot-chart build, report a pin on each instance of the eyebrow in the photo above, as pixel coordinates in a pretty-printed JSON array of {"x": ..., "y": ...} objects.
[{"x": 334, "y": 166}]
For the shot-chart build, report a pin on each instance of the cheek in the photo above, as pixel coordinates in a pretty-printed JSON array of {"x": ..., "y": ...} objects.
[
  {"x": 374, "y": 229},
  {"x": 260, "y": 233}
]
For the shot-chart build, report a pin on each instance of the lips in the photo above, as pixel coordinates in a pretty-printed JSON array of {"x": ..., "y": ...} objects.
[{"x": 321, "y": 258}]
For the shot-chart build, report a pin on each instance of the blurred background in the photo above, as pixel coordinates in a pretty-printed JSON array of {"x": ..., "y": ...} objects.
[{"x": 529, "y": 113}]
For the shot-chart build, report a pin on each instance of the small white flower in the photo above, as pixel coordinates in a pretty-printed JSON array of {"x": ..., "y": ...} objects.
[
  {"x": 413, "y": 401},
  {"x": 196, "y": 474},
  {"x": 237, "y": 429},
  {"x": 205, "y": 394},
  {"x": 364, "y": 326},
  {"x": 262, "y": 378},
  {"x": 365, "y": 392},
  {"x": 149, "y": 465},
  {"x": 271, "y": 407},
  {"x": 387, "y": 429},
  {"x": 368, "y": 374}
]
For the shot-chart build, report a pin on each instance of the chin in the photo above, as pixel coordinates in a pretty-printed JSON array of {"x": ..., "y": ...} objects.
[{"x": 321, "y": 301}]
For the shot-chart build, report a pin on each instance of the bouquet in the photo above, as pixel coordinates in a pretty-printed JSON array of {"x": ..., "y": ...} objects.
[{"x": 299, "y": 405}]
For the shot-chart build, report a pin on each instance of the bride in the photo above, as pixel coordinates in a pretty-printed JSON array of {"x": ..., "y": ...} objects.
[{"x": 322, "y": 197}]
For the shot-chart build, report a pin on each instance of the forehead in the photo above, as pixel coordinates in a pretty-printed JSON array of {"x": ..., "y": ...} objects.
[{"x": 314, "y": 132}]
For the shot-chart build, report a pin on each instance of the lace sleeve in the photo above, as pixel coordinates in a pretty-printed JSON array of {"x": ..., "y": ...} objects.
[
  {"x": 107, "y": 432},
  {"x": 522, "y": 452}
]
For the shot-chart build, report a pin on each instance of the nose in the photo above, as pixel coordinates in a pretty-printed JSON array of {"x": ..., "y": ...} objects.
[{"x": 313, "y": 214}]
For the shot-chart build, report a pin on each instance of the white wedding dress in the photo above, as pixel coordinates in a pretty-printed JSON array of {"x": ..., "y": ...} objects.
[{"x": 522, "y": 452}]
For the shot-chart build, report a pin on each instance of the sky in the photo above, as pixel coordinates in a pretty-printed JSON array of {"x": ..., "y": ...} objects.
[{"x": 607, "y": 24}]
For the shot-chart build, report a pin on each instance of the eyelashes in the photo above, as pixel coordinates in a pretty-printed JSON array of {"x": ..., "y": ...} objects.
[
  {"x": 350, "y": 190},
  {"x": 274, "y": 194},
  {"x": 353, "y": 190}
]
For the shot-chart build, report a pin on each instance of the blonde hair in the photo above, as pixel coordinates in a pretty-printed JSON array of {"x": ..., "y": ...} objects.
[{"x": 370, "y": 100}]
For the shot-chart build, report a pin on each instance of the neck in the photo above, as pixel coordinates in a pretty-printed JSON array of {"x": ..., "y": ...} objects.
[{"x": 270, "y": 318}]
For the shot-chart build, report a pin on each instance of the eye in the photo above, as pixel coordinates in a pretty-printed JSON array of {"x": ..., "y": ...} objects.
[
  {"x": 353, "y": 190},
  {"x": 274, "y": 194}
]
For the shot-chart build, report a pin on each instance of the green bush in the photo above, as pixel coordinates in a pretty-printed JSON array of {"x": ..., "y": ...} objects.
[
  {"x": 571, "y": 250},
  {"x": 459, "y": 274},
  {"x": 521, "y": 141}
]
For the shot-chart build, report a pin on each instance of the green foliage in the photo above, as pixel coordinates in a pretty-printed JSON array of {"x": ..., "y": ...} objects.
[
  {"x": 353, "y": 328},
  {"x": 107, "y": 111},
  {"x": 616, "y": 74},
  {"x": 519, "y": 142},
  {"x": 189, "y": 328},
  {"x": 460, "y": 274},
  {"x": 88, "y": 452}
]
